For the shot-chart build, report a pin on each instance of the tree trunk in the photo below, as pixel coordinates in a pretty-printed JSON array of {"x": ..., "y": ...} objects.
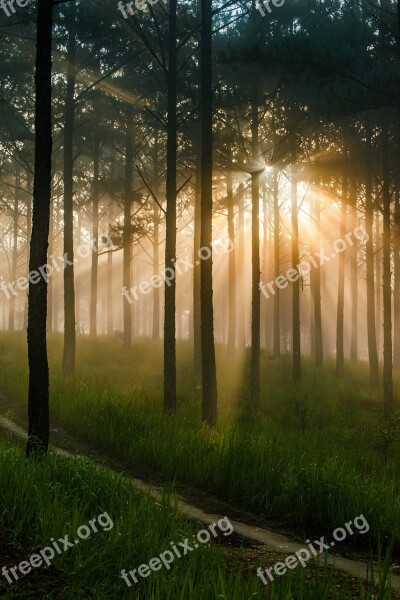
[
  {"x": 318, "y": 343},
  {"x": 69, "y": 290},
  {"x": 295, "y": 260},
  {"x": 387, "y": 289},
  {"x": 196, "y": 269},
  {"x": 277, "y": 229},
  {"x": 95, "y": 240},
  {"x": 110, "y": 318},
  {"x": 28, "y": 235},
  {"x": 14, "y": 259},
  {"x": 156, "y": 269},
  {"x": 127, "y": 231},
  {"x": 353, "y": 269},
  {"x": 232, "y": 258},
  {"x": 209, "y": 377},
  {"x": 170, "y": 222},
  {"x": 396, "y": 291},
  {"x": 342, "y": 262},
  {"x": 38, "y": 398},
  {"x": 255, "y": 263},
  {"x": 241, "y": 270},
  {"x": 369, "y": 251}
]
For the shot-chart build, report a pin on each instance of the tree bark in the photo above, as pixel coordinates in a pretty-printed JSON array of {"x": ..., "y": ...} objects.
[
  {"x": 277, "y": 229},
  {"x": 342, "y": 262},
  {"x": 95, "y": 241},
  {"x": 369, "y": 251},
  {"x": 69, "y": 289},
  {"x": 387, "y": 289},
  {"x": 255, "y": 264},
  {"x": 127, "y": 231},
  {"x": 170, "y": 233},
  {"x": 295, "y": 260},
  {"x": 38, "y": 398},
  {"x": 232, "y": 259},
  {"x": 209, "y": 377},
  {"x": 14, "y": 258}
]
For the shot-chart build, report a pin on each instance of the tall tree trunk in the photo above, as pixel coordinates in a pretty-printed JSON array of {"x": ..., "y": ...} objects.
[
  {"x": 38, "y": 395},
  {"x": 196, "y": 269},
  {"x": 28, "y": 235},
  {"x": 127, "y": 231},
  {"x": 209, "y": 376},
  {"x": 353, "y": 268},
  {"x": 156, "y": 269},
  {"x": 341, "y": 273},
  {"x": 241, "y": 270},
  {"x": 69, "y": 290},
  {"x": 50, "y": 252},
  {"x": 232, "y": 259},
  {"x": 387, "y": 289},
  {"x": 318, "y": 343},
  {"x": 110, "y": 317},
  {"x": 369, "y": 251},
  {"x": 396, "y": 291},
  {"x": 277, "y": 229},
  {"x": 295, "y": 260},
  {"x": 14, "y": 258},
  {"x": 255, "y": 263},
  {"x": 95, "y": 236},
  {"x": 170, "y": 221},
  {"x": 378, "y": 291}
]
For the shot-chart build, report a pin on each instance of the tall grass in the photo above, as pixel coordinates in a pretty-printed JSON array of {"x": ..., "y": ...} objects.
[
  {"x": 53, "y": 497},
  {"x": 306, "y": 458}
]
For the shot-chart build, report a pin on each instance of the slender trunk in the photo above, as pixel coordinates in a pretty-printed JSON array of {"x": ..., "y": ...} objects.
[
  {"x": 396, "y": 291},
  {"x": 378, "y": 291},
  {"x": 295, "y": 261},
  {"x": 277, "y": 335},
  {"x": 69, "y": 290},
  {"x": 170, "y": 222},
  {"x": 110, "y": 323},
  {"x": 241, "y": 271},
  {"x": 38, "y": 398},
  {"x": 387, "y": 290},
  {"x": 232, "y": 258},
  {"x": 14, "y": 259},
  {"x": 156, "y": 269},
  {"x": 353, "y": 269},
  {"x": 209, "y": 376},
  {"x": 127, "y": 231},
  {"x": 319, "y": 351},
  {"x": 369, "y": 251},
  {"x": 196, "y": 270},
  {"x": 255, "y": 262},
  {"x": 342, "y": 261},
  {"x": 50, "y": 252},
  {"x": 95, "y": 240},
  {"x": 28, "y": 235}
]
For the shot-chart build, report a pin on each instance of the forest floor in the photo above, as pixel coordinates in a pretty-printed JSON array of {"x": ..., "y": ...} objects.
[
  {"x": 252, "y": 541},
  {"x": 93, "y": 408}
]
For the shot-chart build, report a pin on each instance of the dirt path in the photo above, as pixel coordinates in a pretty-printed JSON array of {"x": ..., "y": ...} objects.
[{"x": 269, "y": 542}]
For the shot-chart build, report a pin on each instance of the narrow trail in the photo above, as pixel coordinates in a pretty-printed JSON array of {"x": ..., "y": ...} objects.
[{"x": 267, "y": 540}]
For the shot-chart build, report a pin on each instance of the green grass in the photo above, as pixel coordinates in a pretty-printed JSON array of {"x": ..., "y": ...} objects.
[
  {"x": 308, "y": 457},
  {"x": 53, "y": 497}
]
